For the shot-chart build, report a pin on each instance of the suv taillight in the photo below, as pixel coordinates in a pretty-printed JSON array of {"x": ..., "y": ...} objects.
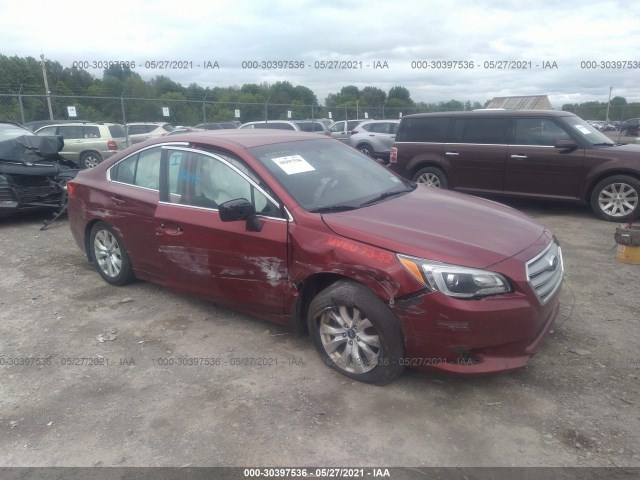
[
  {"x": 112, "y": 145},
  {"x": 393, "y": 155}
]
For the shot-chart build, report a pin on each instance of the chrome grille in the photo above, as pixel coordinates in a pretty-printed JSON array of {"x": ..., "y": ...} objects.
[{"x": 545, "y": 272}]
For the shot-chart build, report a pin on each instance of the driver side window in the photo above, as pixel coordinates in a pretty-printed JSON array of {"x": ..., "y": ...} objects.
[{"x": 206, "y": 181}]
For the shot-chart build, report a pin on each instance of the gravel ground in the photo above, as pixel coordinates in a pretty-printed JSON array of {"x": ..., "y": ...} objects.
[{"x": 576, "y": 404}]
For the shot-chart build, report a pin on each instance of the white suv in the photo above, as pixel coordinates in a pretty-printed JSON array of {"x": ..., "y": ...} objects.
[{"x": 375, "y": 137}]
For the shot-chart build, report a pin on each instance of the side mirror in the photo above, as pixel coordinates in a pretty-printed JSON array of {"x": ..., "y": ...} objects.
[
  {"x": 240, "y": 209},
  {"x": 566, "y": 144}
]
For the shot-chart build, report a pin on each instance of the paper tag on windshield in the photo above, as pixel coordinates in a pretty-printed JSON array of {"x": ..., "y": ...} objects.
[
  {"x": 582, "y": 129},
  {"x": 293, "y": 164}
]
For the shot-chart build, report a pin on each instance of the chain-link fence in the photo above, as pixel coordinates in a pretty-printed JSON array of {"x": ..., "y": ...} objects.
[
  {"x": 30, "y": 108},
  {"x": 24, "y": 108}
]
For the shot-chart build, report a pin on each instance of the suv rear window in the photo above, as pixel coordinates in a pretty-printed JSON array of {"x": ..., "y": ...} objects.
[
  {"x": 423, "y": 130},
  {"x": 116, "y": 131}
]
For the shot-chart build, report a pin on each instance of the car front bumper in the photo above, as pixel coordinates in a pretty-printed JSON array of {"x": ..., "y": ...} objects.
[{"x": 475, "y": 337}]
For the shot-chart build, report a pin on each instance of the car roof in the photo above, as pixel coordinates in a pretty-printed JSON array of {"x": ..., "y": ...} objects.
[
  {"x": 245, "y": 138},
  {"x": 77, "y": 124},
  {"x": 494, "y": 113}
]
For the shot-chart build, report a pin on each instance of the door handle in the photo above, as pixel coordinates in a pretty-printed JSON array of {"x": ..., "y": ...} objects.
[
  {"x": 171, "y": 228},
  {"x": 118, "y": 200},
  {"x": 519, "y": 157}
]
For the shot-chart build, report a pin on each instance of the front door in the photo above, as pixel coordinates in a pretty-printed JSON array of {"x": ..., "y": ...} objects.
[
  {"x": 204, "y": 255},
  {"x": 535, "y": 168}
]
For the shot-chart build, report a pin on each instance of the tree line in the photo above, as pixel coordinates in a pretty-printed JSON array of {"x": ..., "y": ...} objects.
[{"x": 193, "y": 103}]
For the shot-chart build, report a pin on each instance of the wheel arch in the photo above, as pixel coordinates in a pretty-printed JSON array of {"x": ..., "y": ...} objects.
[
  {"x": 312, "y": 285},
  {"x": 602, "y": 175}
]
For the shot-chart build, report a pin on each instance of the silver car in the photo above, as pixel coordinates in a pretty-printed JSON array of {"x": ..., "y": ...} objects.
[
  {"x": 88, "y": 144},
  {"x": 375, "y": 137}
]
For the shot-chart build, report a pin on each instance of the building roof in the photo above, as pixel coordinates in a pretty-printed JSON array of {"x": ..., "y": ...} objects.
[{"x": 531, "y": 102}]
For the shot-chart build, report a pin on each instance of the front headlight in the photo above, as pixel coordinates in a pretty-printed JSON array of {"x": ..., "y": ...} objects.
[{"x": 454, "y": 280}]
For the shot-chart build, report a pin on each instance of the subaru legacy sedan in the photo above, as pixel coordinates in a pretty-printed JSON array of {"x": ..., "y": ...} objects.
[{"x": 306, "y": 232}]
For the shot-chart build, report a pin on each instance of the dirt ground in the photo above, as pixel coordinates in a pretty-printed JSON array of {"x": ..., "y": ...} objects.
[{"x": 97, "y": 380}]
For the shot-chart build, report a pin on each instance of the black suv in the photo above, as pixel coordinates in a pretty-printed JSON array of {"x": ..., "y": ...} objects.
[{"x": 519, "y": 153}]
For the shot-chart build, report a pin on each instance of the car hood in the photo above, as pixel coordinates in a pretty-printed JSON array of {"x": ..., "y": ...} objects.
[{"x": 441, "y": 226}]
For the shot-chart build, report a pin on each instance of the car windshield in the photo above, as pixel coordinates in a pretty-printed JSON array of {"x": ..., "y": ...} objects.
[
  {"x": 326, "y": 175},
  {"x": 8, "y": 132},
  {"x": 588, "y": 132}
]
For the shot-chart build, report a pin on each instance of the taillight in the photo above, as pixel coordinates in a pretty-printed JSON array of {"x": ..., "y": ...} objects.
[
  {"x": 71, "y": 189},
  {"x": 352, "y": 132},
  {"x": 112, "y": 145},
  {"x": 393, "y": 155}
]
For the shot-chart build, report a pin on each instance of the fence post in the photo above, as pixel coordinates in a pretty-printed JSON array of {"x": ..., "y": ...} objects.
[
  {"x": 20, "y": 104},
  {"x": 204, "y": 110},
  {"x": 124, "y": 118}
]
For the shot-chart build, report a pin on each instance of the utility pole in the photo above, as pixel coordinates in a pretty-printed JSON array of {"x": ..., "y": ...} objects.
[
  {"x": 46, "y": 87},
  {"x": 609, "y": 103}
]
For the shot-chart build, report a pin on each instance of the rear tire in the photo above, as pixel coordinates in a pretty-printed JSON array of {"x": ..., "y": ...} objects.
[
  {"x": 366, "y": 149},
  {"x": 431, "y": 177},
  {"x": 90, "y": 159},
  {"x": 356, "y": 333},
  {"x": 109, "y": 255}
]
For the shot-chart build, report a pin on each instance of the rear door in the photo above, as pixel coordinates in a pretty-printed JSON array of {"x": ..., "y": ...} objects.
[
  {"x": 475, "y": 154},
  {"x": 204, "y": 255},
  {"x": 535, "y": 168},
  {"x": 131, "y": 202}
]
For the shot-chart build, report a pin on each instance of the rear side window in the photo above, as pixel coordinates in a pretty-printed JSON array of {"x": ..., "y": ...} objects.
[
  {"x": 71, "y": 131},
  {"x": 423, "y": 130},
  {"x": 167, "y": 127},
  {"x": 91, "y": 131},
  {"x": 142, "y": 169},
  {"x": 479, "y": 130}
]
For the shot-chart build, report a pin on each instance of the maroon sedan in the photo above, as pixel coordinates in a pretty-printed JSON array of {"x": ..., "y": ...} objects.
[{"x": 307, "y": 232}]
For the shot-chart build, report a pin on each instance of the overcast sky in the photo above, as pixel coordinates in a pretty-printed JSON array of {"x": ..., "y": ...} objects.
[{"x": 397, "y": 32}]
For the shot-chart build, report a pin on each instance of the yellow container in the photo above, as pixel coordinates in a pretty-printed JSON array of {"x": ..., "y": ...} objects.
[{"x": 628, "y": 254}]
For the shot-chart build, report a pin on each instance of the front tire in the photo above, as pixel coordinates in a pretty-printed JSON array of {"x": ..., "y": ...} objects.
[
  {"x": 616, "y": 198},
  {"x": 109, "y": 255},
  {"x": 431, "y": 177},
  {"x": 356, "y": 333}
]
